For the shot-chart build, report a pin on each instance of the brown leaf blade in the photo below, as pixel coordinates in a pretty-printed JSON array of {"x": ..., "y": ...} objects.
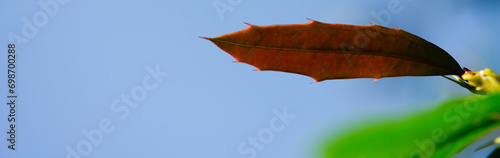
[{"x": 337, "y": 51}]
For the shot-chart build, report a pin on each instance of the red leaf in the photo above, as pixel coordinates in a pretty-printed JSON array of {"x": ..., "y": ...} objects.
[{"x": 336, "y": 51}]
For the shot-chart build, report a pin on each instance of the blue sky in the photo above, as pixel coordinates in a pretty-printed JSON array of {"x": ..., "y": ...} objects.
[{"x": 187, "y": 98}]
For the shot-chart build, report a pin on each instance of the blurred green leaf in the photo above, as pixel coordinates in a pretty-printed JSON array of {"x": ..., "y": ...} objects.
[{"x": 439, "y": 132}]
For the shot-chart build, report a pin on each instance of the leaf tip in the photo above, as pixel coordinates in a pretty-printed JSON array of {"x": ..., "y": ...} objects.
[
  {"x": 207, "y": 38},
  {"x": 248, "y": 24},
  {"x": 312, "y": 21},
  {"x": 466, "y": 69}
]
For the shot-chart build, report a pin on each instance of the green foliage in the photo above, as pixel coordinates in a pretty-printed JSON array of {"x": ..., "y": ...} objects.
[{"x": 439, "y": 132}]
